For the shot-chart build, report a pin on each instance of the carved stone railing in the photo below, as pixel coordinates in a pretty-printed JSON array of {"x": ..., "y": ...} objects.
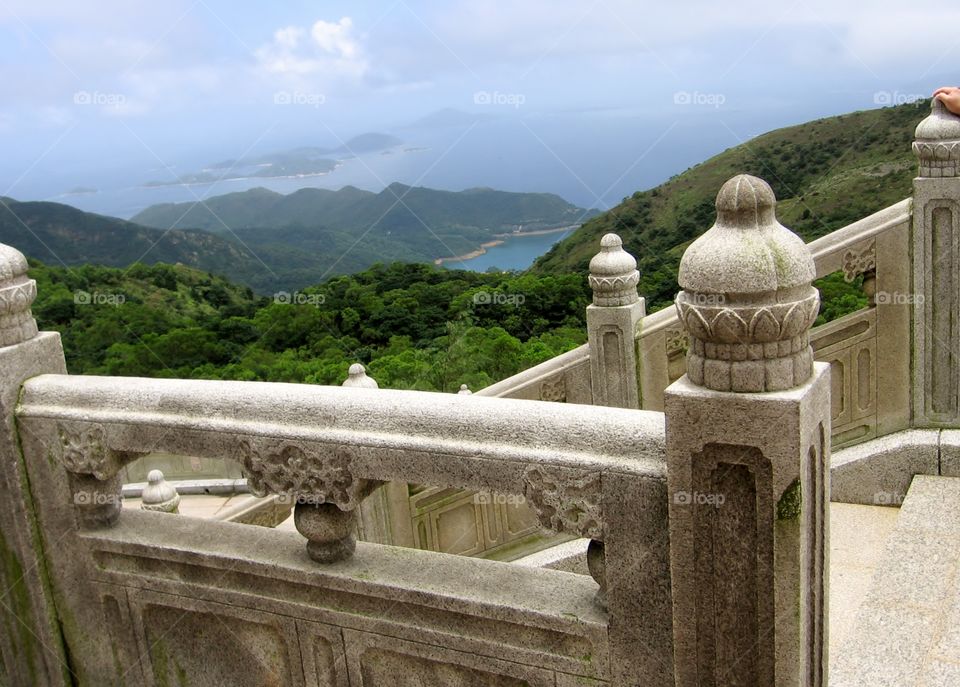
[
  {"x": 585, "y": 470},
  {"x": 868, "y": 350}
]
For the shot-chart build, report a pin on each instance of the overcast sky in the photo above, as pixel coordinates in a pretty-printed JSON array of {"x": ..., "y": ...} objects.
[{"x": 97, "y": 82}]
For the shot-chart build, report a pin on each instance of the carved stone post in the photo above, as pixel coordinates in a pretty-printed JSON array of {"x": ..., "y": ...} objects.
[
  {"x": 748, "y": 432},
  {"x": 32, "y": 649},
  {"x": 159, "y": 495},
  {"x": 612, "y": 321},
  {"x": 936, "y": 270},
  {"x": 357, "y": 377}
]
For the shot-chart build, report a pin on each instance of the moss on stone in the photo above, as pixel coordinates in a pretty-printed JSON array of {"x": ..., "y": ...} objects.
[
  {"x": 791, "y": 502},
  {"x": 54, "y": 620},
  {"x": 19, "y": 604}
]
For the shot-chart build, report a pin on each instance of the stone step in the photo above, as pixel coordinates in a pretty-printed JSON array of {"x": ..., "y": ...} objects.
[{"x": 907, "y": 631}]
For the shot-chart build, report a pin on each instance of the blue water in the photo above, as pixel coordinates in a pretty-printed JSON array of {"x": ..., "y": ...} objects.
[{"x": 515, "y": 253}]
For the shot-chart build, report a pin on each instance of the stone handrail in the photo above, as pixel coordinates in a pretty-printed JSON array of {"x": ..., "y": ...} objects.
[
  {"x": 565, "y": 377},
  {"x": 394, "y": 434}
]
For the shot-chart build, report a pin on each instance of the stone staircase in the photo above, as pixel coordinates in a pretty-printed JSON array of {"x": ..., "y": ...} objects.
[{"x": 907, "y": 630}]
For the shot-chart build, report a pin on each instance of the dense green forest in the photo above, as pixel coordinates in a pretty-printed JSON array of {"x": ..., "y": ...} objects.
[{"x": 414, "y": 326}]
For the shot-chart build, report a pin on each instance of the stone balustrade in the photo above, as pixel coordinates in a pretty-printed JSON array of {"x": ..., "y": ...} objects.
[{"x": 583, "y": 469}]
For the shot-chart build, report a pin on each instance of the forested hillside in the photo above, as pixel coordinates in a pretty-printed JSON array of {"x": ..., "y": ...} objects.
[
  {"x": 414, "y": 326},
  {"x": 826, "y": 174}
]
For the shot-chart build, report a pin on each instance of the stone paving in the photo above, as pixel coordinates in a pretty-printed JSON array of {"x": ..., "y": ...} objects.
[{"x": 907, "y": 630}]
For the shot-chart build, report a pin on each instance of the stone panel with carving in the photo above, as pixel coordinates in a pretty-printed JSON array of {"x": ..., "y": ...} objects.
[
  {"x": 857, "y": 262},
  {"x": 288, "y": 468},
  {"x": 566, "y": 501},
  {"x": 190, "y": 642},
  {"x": 377, "y": 660},
  {"x": 85, "y": 451},
  {"x": 554, "y": 389}
]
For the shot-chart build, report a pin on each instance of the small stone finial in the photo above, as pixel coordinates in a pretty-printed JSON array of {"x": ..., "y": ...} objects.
[
  {"x": 17, "y": 293},
  {"x": 464, "y": 390},
  {"x": 357, "y": 378},
  {"x": 747, "y": 301},
  {"x": 613, "y": 274},
  {"x": 159, "y": 495},
  {"x": 937, "y": 143}
]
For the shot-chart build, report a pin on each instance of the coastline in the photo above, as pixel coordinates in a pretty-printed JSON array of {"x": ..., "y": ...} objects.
[
  {"x": 540, "y": 232},
  {"x": 502, "y": 238},
  {"x": 472, "y": 254}
]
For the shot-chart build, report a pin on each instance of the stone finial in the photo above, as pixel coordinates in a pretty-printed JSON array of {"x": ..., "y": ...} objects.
[
  {"x": 464, "y": 390},
  {"x": 937, "y": 143},
  {"x": 747, "y": 301},
  {"x": 613, "y": 274},
  {"x": 357, "y": 377},
  {"x": 17, "y": 293},
  {"x": 159, "y": 495}
]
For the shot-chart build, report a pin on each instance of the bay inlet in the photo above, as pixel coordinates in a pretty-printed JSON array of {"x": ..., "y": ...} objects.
[{"x": 509, "y": 251}]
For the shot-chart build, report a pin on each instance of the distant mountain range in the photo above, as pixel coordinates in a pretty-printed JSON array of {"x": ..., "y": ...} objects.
[{"x": 270, "y": 241}]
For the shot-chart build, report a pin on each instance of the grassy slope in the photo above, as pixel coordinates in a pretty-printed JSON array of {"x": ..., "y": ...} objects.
[{"x": 826, "y": 174}]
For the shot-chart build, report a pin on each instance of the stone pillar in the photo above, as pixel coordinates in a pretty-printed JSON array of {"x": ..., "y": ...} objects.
[
  {"x": 612, "y": 321},
  {"x": 936, "y": 270},
  {"x": 748, "y": 432},
  {"x": 30, "y": 641}
]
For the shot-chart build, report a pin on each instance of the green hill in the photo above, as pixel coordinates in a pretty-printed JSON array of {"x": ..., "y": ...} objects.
[
  {"x": 825, "y": 173},
  {"x": 61, "y": 234},
  {"x": 399, "y": 223},
  {"x": 272, "y": 242}
]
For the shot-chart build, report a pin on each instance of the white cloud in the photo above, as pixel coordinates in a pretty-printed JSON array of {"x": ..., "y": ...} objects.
[
  {"x": 335, "y": 39},
  {"x": 332, "y": 51}
]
